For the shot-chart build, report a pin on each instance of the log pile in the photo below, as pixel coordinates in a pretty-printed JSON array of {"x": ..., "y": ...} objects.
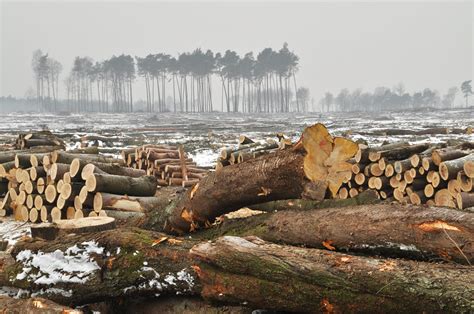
[
  {"x": 38, "y": 139},
  {"x": 418, "y": 174},
  {"x": 249, "y": 149},
  {"x": 48, "y": 186},
  {"x": 168, "y": 163},
  {"x": 301, "y": 253}
]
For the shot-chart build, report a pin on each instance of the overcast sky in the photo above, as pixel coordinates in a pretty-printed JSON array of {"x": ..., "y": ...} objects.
[{"x": 340, "y": 44}]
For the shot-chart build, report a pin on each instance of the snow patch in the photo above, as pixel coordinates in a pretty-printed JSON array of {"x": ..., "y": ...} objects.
[
  {"x": 75, "y": 265},
  {"x": 12, "y": 231}
]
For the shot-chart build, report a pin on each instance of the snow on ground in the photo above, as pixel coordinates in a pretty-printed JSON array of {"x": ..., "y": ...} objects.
[{"x": 205, "y": 134}]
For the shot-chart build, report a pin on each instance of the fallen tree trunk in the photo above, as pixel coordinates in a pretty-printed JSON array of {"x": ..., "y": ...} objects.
[
  {"x": 100, "y": 266},
  {"x": 318, "y": 162},
  {"x": 267, "y": 178},
  {"x": 283, "y": 278},
  {"x": 416, "y": 232},
  {"x": 80, "y": 269}
]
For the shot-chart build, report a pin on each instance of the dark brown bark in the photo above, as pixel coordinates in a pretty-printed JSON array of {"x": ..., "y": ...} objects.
[
  {"x": 392, "y": 230},
  {"x": 264, "y": 275},
  {"x": 267, "y": 178}
]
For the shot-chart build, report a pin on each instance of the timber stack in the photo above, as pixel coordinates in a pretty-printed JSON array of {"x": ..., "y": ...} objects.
[
  {"x": 168, "y": 163},
  {"x": 38, "y": 140},
  {"x": 302, "y": 252},
  {"x": 43, "y": 184},
  {"x": 249, "y": 149},
  {"x": 438, "y": 175}
]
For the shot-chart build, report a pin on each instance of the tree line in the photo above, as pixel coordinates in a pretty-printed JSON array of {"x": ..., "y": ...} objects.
[
  {"x": 262, "y": 83},
  {"x": 383, "y": 99}
]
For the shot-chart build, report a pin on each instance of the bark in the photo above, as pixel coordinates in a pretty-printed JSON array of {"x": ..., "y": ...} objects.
[
  {"x": 267, "y": 178},
  {"x": 417, "y": 232},
  {"x": 134, "y": 262},
  {"x": 276, "y": 277},
  {"x": 366, "y": 197},
  {"x": 50, "y": 231},
  {"x": 449, "y": 169},
  {"x": 402, "y": 152},
  {"x": 126, "y": 263},
  {"x": 445, "y": 154},
  {"x": 67, "y": 158},
  {"x": 143, "y": 186},
  {"x": 112, "y": 169}
]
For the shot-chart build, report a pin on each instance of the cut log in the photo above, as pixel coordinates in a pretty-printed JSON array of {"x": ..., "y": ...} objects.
[
  {"x": 465, "y": 183},
  {"x": 445, "y": 154},
  {"x": 289, "y": 279},
  {"x": 449, "y": 169},
  {"x": 420, "y": 231},
  {"x": 90, "y": 168},
  {"x": 469, "y": 168},
  {"x": 465, "y": 200},
  {"x": 6, "y": 167},
  {"x": 298, "y": 279},
  {"x": 50, "y": 231},
  {"x": 57, "y": 171},
  {"x": 399, "y": 153},
  {"x": 143, "y": 186},
  {"x": 128, "y": 203},
  {"x": 285, "y": 174},
  {"x": 67, "y": 158},
  {"x": 50, "y": 193}
]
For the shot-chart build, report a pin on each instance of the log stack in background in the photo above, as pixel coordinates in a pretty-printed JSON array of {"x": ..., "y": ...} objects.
[
  {"x": 249, "y": 149},
  {"x": 39, "y": 139},
  {"x": 438, "y": 175},
  {"x": 41, "y": 184},
  {"x": 168, "y": 163}
]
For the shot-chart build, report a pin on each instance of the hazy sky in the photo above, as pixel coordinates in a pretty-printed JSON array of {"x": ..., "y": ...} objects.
[{"x": 340, "y": 44}]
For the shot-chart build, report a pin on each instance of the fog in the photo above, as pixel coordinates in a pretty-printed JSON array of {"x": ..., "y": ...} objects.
[{"x": 340, "y": 45}]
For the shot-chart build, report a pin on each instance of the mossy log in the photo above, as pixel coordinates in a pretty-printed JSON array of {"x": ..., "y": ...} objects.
[
  {"x": 101, "y": 266},
  {"x": 366, "y": 197},
  {"x": 132, "y": 262},
  {"x": 283, "y": 278},
  {"x": 392, "y": 230}
]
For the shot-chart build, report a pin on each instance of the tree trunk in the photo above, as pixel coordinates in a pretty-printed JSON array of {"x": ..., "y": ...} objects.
[
  {"x": 270, "y": 177},
  {"x": 133, "y": 263},
  {"x": 421, "y": 232},
  {"x": 143, "y": 186},
  {"x": 270, "y": 276}
]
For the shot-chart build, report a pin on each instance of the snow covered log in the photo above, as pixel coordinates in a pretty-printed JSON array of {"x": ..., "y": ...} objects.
[
  {"x": 80, "y": 269},
  {"x": 126, "y": 262}
]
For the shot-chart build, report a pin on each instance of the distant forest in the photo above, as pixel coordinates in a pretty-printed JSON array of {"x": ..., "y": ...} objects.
[
  {"x": 384, "y": 99},
  {"x": 266, "y": 83},
  {"x": 263, "y": 84}
]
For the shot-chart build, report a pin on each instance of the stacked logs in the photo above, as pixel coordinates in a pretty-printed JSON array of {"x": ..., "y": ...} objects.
[
  {"x": 417, "y": 174},
  {"x": 168, "y": 163},
  {"x": 38, "y": 139},
  {"x": 249, "y": 149},
  {"x": 42, "y": 187}
]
